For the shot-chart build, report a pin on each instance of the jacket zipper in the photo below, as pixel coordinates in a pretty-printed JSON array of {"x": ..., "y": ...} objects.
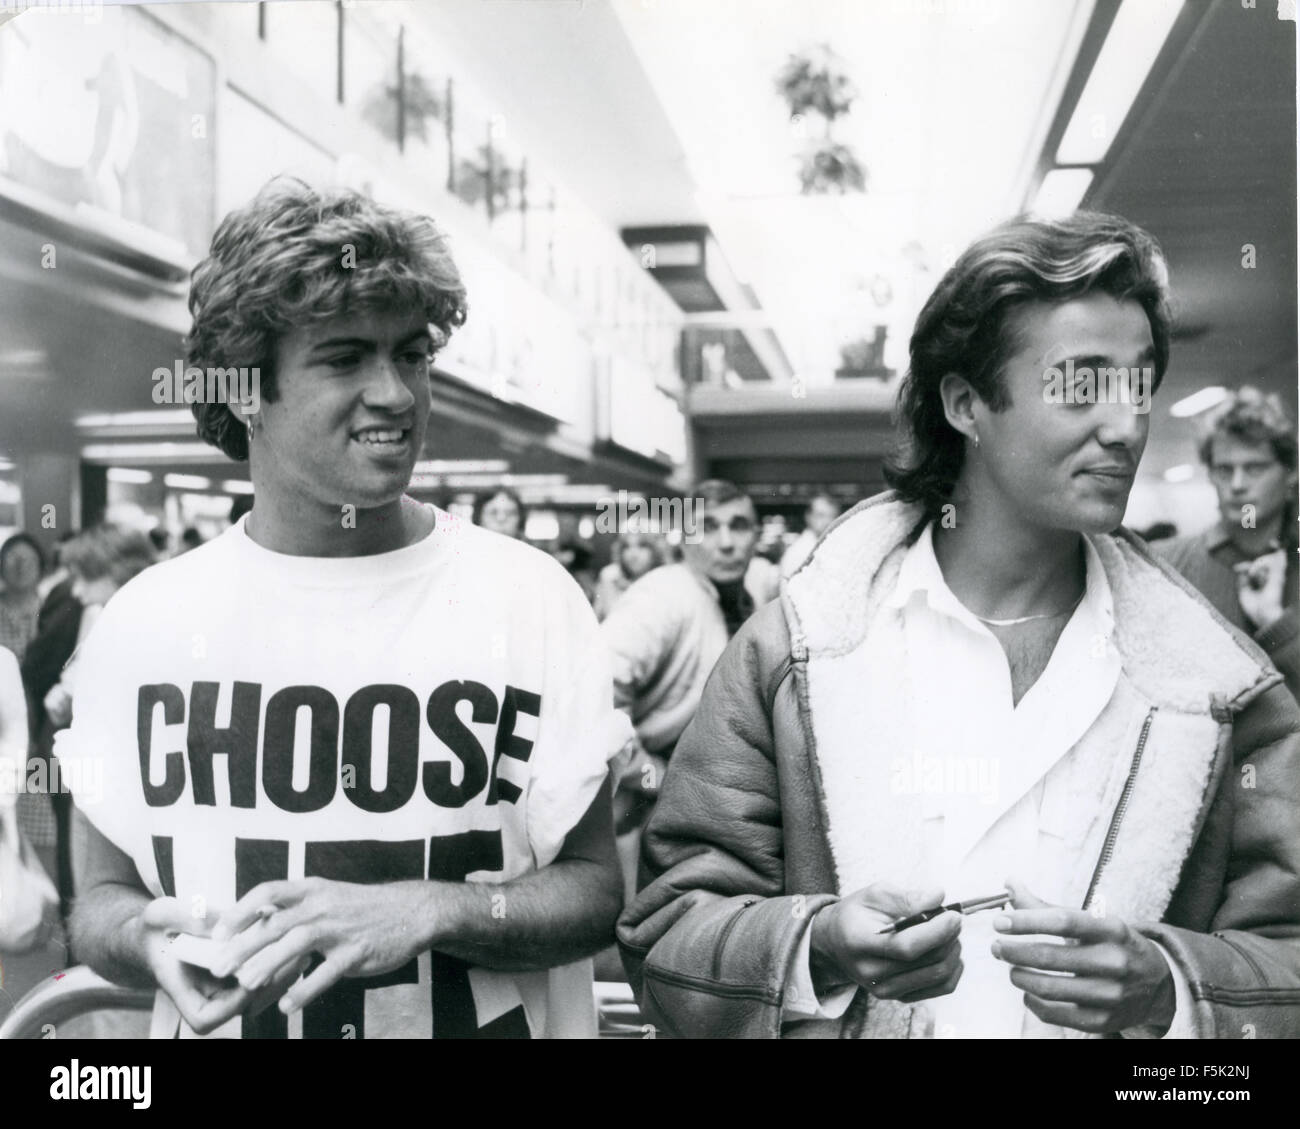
[
  {"x": 726, "y": 932},
  {"x": 799, "y": 649},
  {"x": 1108, "y": 847},
  {"x": 1250, "y": 960}
]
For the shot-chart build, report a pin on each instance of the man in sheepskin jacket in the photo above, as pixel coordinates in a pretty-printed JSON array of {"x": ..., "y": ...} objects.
[{"x": 979, "y": 687}]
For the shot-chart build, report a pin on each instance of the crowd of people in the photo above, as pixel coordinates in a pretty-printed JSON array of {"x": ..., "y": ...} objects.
[{"x": 781, "y": 785}]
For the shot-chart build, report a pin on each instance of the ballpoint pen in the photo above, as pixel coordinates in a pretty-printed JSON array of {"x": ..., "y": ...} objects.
[{"x": 970, "y": 905}]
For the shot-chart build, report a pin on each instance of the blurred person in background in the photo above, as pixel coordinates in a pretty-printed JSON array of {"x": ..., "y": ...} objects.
[
  {"x": 22, "y": 564},
  {"x": 665, "y": 635},
  {"x": 161, "y": 541},
  {"x": 57, "y": 630},
  {"x": 1245, "y": 564},
  {"x": 99, "y": 560},
  {"x": 191, "y": 538},
  {"x": 576, "y": 559},
  {"x": 635, "y": 554},
  {"x": 822, "y": 509},
  {"x": 502, "y": 512},
  {"x": 981, "y": 687}
]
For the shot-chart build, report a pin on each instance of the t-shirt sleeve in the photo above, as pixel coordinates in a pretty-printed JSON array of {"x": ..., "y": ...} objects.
[
  {"x": 97, "y": 755},
  {"x": 579, "y": 730}
]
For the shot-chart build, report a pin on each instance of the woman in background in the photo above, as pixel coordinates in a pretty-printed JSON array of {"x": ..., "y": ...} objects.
[
  {"x": 501, "y": 511},
  {"x": 22, "y": 564},
  {"x": 635, "y": 554},
  {"x": 100, "y": 561}
]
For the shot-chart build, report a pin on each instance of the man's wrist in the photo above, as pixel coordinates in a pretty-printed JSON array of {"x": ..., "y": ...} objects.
[
  {"x": 826, "y": 975},
  {"x": 434, "y": 909},
  {"x": 1164, "y": 1003}
]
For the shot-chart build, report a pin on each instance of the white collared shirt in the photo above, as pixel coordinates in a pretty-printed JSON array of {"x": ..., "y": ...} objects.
[{"x": 993, "y": 776}]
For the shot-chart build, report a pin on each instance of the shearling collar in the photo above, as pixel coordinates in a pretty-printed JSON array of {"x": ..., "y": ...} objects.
[
  {"x": 1175, "y": 648},
  {"x": 1182, "y": 672}
]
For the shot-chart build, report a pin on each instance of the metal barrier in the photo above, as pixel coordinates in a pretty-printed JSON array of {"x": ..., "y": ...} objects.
[
  {"x": 76, "y": 992},
  {"x": 81, "y": 990}
]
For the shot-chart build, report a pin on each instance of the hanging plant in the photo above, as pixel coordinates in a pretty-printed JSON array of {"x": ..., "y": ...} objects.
[
  {"x": 815, "y": 86},
  {"x": 832, "y": 168},
  {"x": 423, "y": 105},
  {"x": 816, "y": 82}
]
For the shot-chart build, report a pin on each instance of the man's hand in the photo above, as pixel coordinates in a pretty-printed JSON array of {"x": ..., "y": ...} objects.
[
  {"x": 1116, "y": 978},
  {"x": 1260, "y": 584},
  {"x": 204, "y": 1000},
  {"x": 916, "y": 964},
  {"x": 360, "y": 930}
]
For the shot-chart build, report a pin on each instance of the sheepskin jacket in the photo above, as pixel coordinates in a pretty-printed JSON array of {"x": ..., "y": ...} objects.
[{"x": 778, "y": 801}]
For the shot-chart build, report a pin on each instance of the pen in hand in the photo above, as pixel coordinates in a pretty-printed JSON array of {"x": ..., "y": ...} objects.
[{"x": 970, "y": 905}]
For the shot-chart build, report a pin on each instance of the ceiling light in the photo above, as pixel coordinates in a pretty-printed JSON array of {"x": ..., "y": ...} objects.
[
  {"x": 187, "y": 482},
  {"x": 461, "y": 466},
  {"x": 1183, "y": 472},
  {"x": 168, "y": 417},
  {"x": 1198, "y": 402},
  {"x": 237, "y": 486},
  {"x": 1061, "y": 191},
  {"x": 128, "y": 474},
  {"x": 1132, "y": 44}
]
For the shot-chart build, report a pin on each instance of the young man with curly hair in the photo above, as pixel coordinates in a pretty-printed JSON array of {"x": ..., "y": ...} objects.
[
  {"x": 355, "y": 746},
  {"x": 1245, "y": 564}
]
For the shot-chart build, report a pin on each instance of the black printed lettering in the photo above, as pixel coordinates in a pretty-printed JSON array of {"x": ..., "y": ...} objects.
[
  {"x": 513, "y": 703},
  {"x": 277, "y": 754},
  {"x": 172, "y": 700},
  {"x": 238, "y": 741},
  {"x": 403, "y": 746},
  {"x": 452, "y": 732}
]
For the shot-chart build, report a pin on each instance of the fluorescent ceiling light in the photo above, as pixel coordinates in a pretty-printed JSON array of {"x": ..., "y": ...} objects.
[
  {"x": 461, "y": 466},
  {"x": 168, "y": 417},
  {"x": 127, "y": 474},
  {"x": 187, "y": 482},
  {"x": 237, "y": 486},
  {"x": 1183, "y": 472},
  {"x": 113, "y": 453},
  {"x": 23, "y": 358},
  {"x": 1061, "y": 191},
  {"x": 1198, "y": 402},
  {"x": 1132, "y": 44}
]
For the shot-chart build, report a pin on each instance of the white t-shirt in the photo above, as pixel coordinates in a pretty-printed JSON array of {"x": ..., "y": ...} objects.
[{"x": 441, "y": 711}]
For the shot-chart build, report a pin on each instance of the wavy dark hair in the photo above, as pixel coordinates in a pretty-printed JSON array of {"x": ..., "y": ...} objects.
[
  {"x": 967, "y": 327},
  {"x": 296, "y": 255}
]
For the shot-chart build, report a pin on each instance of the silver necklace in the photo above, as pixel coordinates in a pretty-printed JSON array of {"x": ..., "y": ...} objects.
[{"x": 1028, "y": 618}]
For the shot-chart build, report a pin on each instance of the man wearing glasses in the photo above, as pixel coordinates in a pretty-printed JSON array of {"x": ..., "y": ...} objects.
[{"x": 1245, "y": 564}]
